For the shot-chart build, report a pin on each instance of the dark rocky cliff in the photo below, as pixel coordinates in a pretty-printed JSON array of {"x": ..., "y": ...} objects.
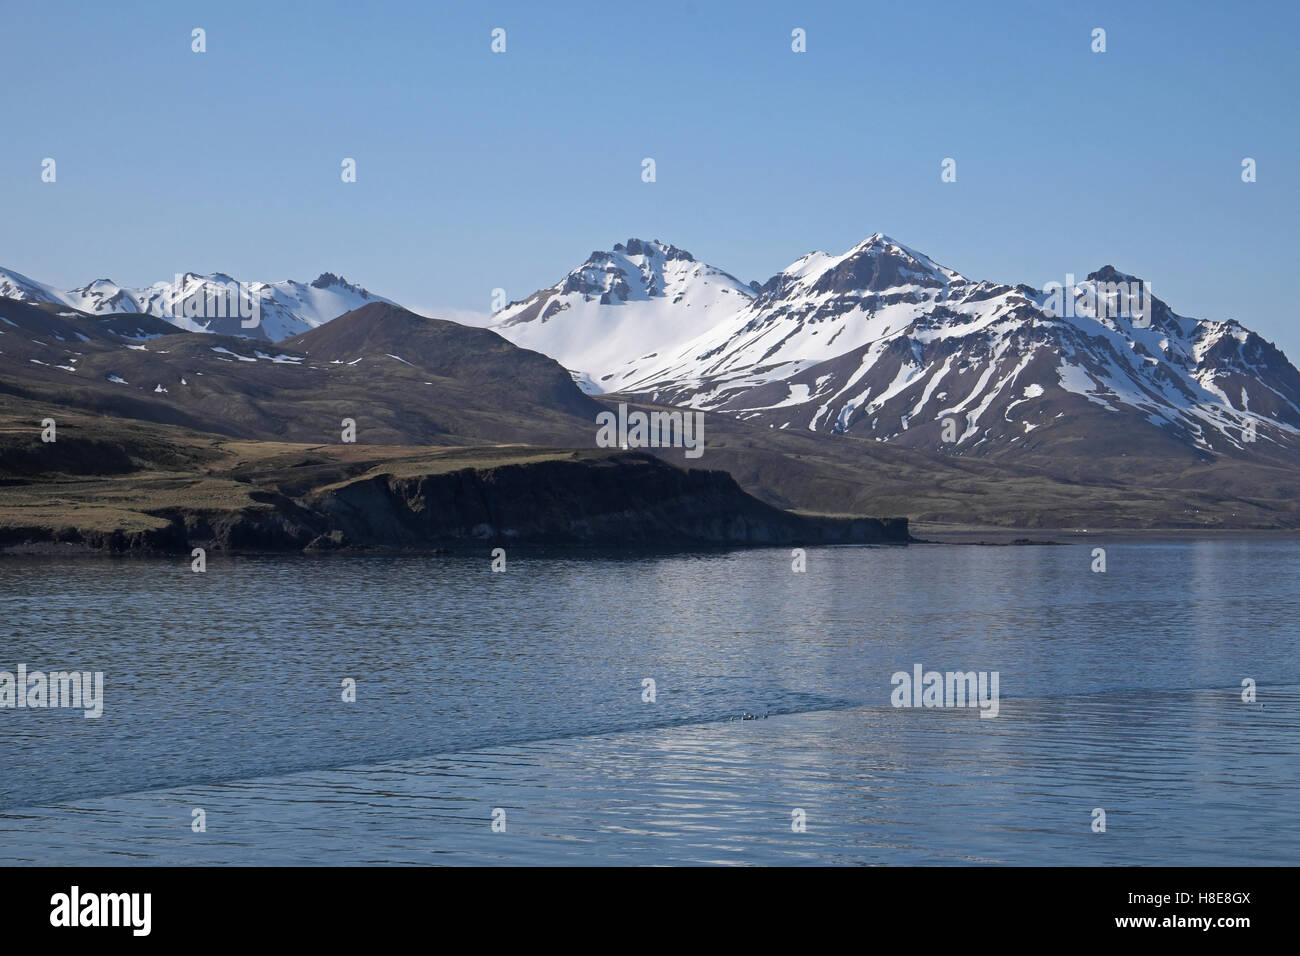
[
  {"x": 629, "y": 498},
  {"x": 621, "y": 499}
]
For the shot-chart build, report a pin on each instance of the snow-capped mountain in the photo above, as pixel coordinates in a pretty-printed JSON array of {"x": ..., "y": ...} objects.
[
  {"x": 14, "y": 285},
  {"x": 882, "y": 342},
  {"x": 209, "y": 303},
  {"x": 628, "y": 304}
]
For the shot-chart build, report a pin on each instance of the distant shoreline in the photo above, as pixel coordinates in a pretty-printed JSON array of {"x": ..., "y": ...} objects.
[
  {"x": 945, "y": 537},
  {"x": 948, "y": 534}
]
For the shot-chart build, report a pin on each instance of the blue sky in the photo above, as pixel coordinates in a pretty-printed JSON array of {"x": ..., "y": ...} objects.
[{"x": 479, "y": 170}]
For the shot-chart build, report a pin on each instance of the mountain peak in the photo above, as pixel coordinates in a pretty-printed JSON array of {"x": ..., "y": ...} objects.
[
  {"x": 641, "y": 247},
  {"x": 327, "y": 280},
  {"x": 635, "y": 269},
  {"x": 1109, "y": 273},
  {"x": 875, "y": 264},
  {"x": 878, "y": 244}
]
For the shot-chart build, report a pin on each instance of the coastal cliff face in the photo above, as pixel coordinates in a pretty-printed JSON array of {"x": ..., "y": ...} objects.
[
  {"x": 618, "y": 499},
  {"x": 622, "y": 499}
]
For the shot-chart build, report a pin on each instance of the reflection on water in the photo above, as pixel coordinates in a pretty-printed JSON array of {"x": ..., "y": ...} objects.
[{"x": 523, "y": 691}]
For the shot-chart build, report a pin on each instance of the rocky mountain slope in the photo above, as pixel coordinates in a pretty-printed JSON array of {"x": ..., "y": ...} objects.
[{"x": 883, "y": 343}]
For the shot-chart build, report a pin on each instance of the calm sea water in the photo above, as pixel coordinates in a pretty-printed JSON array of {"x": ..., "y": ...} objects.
[{"x": 523, "y": 691}]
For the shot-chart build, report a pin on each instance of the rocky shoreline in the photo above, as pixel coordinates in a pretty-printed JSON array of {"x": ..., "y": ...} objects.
[{"x": 619, "y": 500}]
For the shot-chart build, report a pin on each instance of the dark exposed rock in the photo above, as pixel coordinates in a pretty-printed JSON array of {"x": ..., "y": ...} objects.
[
  {"x": 625, "y": 499},
  {"x": 631, "y": 498}
]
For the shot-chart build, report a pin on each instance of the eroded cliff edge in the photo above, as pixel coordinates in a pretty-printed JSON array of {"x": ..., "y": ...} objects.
[
  {"x": 616, "y": 500},
  {"x": 562, "y": 499}
]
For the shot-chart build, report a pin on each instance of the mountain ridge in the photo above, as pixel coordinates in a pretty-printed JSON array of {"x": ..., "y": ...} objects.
[
  {"x": 885, "y": 343},
  {"x": 880, "y": 342},
  {"x": 285, "y": 308}
]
